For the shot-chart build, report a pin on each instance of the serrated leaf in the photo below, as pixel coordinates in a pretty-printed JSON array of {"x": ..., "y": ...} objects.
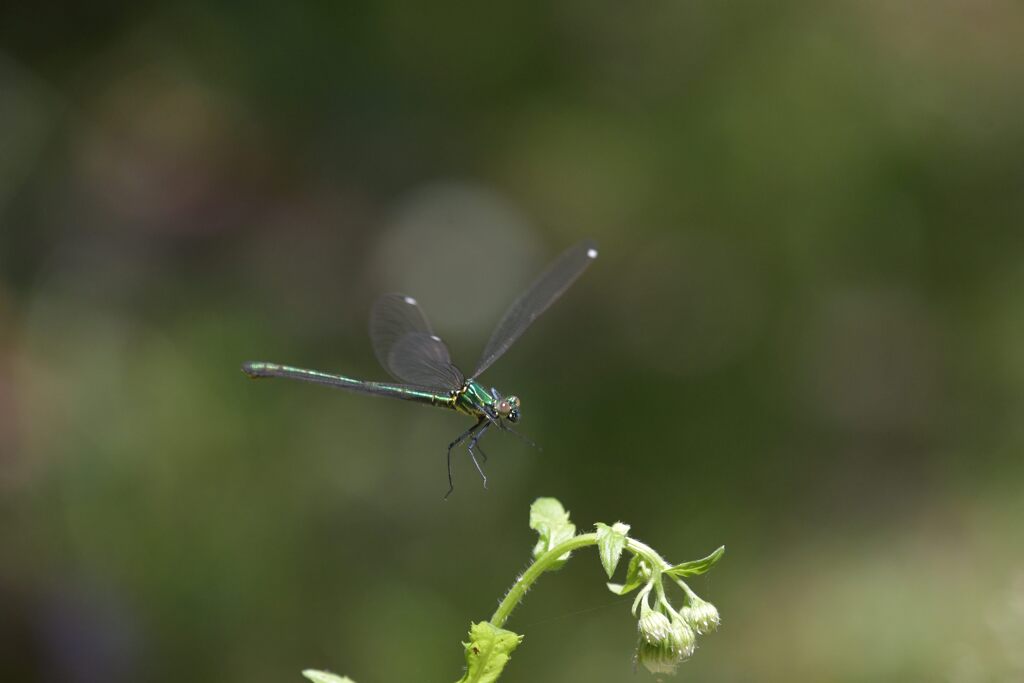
[
  {"x": 325, "y": 677},
  {"x": 696, "y": 567},
  {"x": 487, "y": 652},
  {"x": 551, "y": 522},
  {"x": 611, "y": 540}
]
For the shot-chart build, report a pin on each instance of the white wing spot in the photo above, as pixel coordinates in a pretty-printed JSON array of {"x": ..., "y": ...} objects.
[
  {"x": 409, "y": 300},
  {"x": 435, "y": 337},
  {"x": 592, "y": 253}
]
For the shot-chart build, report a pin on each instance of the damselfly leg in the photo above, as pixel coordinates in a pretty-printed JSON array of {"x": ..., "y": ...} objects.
[
  {"x": 462, "y": 437},
  {"x": 472, "y": 451}
]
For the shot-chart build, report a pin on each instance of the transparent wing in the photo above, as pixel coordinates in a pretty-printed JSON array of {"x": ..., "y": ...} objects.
[
  {"x": 542, "y": 293},
  {"x": 422, "y": 359},
  {"x": 392, "y": 317},
  {"x": 407, "y": 348}
]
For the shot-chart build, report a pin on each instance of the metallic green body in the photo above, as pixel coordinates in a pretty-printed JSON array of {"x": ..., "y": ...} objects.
[
  {"x": 472, "y": 397},
  {"x": 432, "y": 398},
  {"x": 469, "y": 400}
]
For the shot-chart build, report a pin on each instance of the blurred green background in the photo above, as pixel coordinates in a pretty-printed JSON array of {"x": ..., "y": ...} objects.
[{"x": 804, "y": 338}]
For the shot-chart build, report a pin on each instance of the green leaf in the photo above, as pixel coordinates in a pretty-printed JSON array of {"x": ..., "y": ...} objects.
[
  {"x": 550, "y": 520},
  {"x": 634, "y": 579},
  {"x": 623, "y": 588},
  {"x": 611, "y": 540},
  {"x": 325, "y": 677},
  {"x": 633, "y": 573},
  {"x": 487, "y": 652},
  {"x": 696, "y": 566}
]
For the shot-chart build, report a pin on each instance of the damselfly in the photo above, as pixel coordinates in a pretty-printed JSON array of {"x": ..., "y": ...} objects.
[{"x": 411, "y": 353}]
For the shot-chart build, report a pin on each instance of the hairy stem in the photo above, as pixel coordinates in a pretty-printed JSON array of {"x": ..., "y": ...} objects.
[
  {"x": 533, "y": 572},
  {"x": 656, "y": 560},
  {"x": 645, "y": 551},
  {"x": 547, "y": 560}
]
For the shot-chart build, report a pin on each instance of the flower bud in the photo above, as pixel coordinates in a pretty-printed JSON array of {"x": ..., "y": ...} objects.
[
  {"x": 658, "y": 659},
  {"x": 701, "y": 615},
  {"x": 683, "y": 639},
  {"x": 654, "y": 627}
]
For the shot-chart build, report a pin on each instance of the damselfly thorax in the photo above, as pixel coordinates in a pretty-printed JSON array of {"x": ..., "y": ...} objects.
[{"x": 476, "y": 401}]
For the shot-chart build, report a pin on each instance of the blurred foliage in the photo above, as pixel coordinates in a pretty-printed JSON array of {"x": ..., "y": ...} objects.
[{"x": 804, "y": 338}]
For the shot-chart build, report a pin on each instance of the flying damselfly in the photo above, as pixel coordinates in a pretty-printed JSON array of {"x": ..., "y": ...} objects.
[{"x": 411, "y": 353}]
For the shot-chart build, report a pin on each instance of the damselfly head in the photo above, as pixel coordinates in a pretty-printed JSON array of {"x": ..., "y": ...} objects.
[{"x": 508, "y": 407}]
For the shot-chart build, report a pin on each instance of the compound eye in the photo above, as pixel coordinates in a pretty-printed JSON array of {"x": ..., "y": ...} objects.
[{"x": 503, "y": 407}]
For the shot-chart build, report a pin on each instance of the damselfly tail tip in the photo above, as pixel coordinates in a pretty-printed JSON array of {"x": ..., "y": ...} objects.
[{"x": 253, "y": 369}]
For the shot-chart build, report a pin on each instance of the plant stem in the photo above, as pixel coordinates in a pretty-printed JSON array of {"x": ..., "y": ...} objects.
[
  {"x": 551, "y": 557},
  {"x": 645, "y": 551},
  {"x": 533, "y": 572},
  {"x": 656, "y": 560}
]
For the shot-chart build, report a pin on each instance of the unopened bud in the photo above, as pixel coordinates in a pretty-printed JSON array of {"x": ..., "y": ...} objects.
[
  {"x": 701, "y": 615},
  {"x": 684, "y": 640},
  {"x": 658, "y": 659},
  {"x": 654, "y": 627}
]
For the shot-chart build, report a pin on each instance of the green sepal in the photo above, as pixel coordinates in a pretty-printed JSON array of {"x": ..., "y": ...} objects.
[
  {"x": 325, "y": 677},
  {"x": 696, "y": 567},
  {"x": 611, "y": 541},
  {"x": 487, "y": 652},
  {"x": 634, "y": 578},
  {"x": 550, "y": 520}
]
